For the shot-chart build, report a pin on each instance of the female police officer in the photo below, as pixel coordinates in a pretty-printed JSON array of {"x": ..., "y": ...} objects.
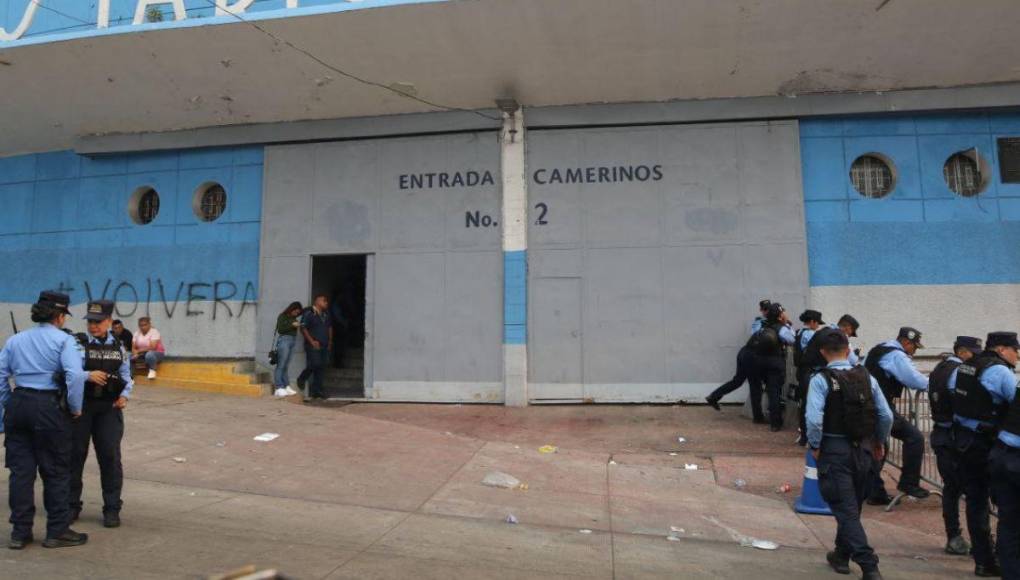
[
  {"x": 38, "y": 428},
  {"x": 102, "y": 419}
]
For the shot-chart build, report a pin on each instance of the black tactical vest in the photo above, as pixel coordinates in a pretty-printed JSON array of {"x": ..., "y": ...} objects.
[
  {"x": 939, "y": 397},
  {"x": 891, "y": 387},
  {"x": 107, "y": 358},
  {"x": 849, "y": 407},
  {"x": 812, "y": 357},
  {"x": 971, "y": 399},
  {"x": 766, "y": 342}
]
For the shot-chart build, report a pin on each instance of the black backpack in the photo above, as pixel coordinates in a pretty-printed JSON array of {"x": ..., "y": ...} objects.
[
  {"x": 765, "y": 342},
  {"x": 851, "y": 389},
  {"x": 811, "y": 357}
]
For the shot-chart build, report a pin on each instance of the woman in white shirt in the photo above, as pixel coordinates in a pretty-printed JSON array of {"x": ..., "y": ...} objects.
[{"x": 148, "y": 344}]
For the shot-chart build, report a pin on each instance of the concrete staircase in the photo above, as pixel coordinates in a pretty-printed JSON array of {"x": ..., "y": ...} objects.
[
  {"x": 347, "y": 382},
  {"x": 228, "y": 377}
]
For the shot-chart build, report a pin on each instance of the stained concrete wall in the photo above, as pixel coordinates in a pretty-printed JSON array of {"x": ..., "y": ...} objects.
[
  {"x": 437, "y": 333},
  {"x": 642, "y": 290}
]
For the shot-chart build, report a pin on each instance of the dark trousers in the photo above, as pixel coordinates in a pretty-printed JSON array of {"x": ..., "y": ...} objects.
[
  {"x": 317, "y": 358},
  {"x": 1004, "y": 468},
  {"x": 803, "y": 383},
  {"x": 38, "y": 438},
  {"x": 770, "y": 372},
  {"x": 745, "y": 363},
  {"x": 844, "y": 474},
  {"x": 913, "y": 456},
  {"x": 974, "y": 449},
  {"x": 103, "y": 425},
  {"x": 948, "y": 462}
]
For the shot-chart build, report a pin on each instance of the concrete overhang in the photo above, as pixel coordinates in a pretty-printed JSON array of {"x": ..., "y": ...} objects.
[{"x": 463, "y": 54}]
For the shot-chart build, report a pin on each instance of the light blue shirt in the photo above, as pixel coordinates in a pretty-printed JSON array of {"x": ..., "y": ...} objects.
[
  {"x": 1000, "y": 382},
  {"x": 32, "y": 357},
  {"x": 899, "y": 366},
  {"x": 125, "y": 367},
  {"x": 756, "y": 325},
  {"x": 805, "y": 337},
  {"x": 818, "y": 392},
  {"x": 786, "y": 335}
]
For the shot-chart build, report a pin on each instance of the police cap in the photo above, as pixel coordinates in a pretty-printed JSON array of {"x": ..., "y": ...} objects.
[
  {"x": 764, "y": 304},
  {"x": 851, "y": 321},
  {"x": 911, "y": 334},
  {"x": 99, "y": 310},
  {"x": 833, "y": 341},
  {"x": 775, "y": 311},
  {"x": 1002, "y": 339},
  {"x": 811, "y": 316},
  {"x": 54, "y": 300},
  {"x": 970, "y": 343}
]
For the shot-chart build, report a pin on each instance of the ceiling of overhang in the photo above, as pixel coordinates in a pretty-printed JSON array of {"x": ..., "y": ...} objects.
[{"x": 466, "y": 53}]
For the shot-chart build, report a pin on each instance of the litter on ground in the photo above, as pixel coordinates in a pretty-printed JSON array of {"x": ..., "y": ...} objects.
[
  {"x": 691, "y": 466},
  {"x": 511, "y": 519},
  {"x": 547, "y": 449},
  {"x": 266, "y": 437},
  {"x": 739, "y": 483},
  {"x": 584, "y": 531},
  {"x": 501, "y": 480},
  {"x": 180, "y": 460}
]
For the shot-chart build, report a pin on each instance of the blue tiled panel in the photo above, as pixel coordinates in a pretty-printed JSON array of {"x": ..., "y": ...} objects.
[
  {"x": 66, "y": 221},
  {"x": 899, "y": 239},
  {"x": 515, "y": 297}
]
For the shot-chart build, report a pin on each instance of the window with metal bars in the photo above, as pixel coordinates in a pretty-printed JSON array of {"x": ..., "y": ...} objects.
[
  {"x": 872, "y": 176},
  {"x": 212, "y": 202},
  {"x": 963, "y": 174}
]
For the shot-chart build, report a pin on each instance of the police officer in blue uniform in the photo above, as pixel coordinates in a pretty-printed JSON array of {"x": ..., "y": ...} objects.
[
  {"x": 983, "y": 389},
  {"x": 942, "y": 441},
  {"x": 848, "y": 421},
  {"x": 745, "y": 362},
  {"x": 1004, "y": 470},
  {"x": 102, "y": 418},
  {"x": 37, "y": 426},
  {"x": 891, "y": 365},
  {"x": 812, "y": 321},
  {"x": 769, "y": 345}
]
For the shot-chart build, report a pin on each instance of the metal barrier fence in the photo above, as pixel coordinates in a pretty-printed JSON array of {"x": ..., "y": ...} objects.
[{"x": 913, "y": 405}]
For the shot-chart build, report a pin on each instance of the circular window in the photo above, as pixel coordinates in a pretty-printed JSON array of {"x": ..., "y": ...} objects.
[
  {"x": 144, "y": 205},
  {"x": 964, "y": 174},
  {"x": 209, "y": 202},
  {"x": 873, "y": 175}
]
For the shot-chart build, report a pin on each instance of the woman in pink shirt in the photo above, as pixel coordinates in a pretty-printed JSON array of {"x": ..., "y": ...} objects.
[{"x": 148, "y": 344}]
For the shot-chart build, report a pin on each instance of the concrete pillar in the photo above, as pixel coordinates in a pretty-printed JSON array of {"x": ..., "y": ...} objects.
[{"x": 515, "y": 260}]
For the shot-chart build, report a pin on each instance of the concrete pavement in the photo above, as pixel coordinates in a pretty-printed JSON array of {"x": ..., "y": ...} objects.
[{"x": 343, "y": 494}]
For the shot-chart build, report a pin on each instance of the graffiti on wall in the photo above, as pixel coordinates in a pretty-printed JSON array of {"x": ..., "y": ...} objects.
[{"x": 186, "y": 298}]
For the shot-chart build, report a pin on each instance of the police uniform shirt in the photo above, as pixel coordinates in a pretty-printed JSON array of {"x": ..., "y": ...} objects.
[
  {"x": 818, "y": 392},
  {"x": 805, "y": 337},
  {"x": 786, "y": 335},
  {"x": 1000, "y": 382},
  {"x": 30, "y": 358},
  {"x": 899, "y": 366},
  {"x": 756, "y": 325},
  {"x": 125, "y": 367}
]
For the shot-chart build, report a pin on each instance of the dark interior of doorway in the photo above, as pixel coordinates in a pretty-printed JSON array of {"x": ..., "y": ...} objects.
[{"x": 342, "y": 279}]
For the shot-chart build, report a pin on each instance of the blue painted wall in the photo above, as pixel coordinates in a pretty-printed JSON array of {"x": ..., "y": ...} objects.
[
  {"x": 65, "y": 223},
  {"x": 78, "y": 17},
  {"x": 909, "y": 236},
  {"x": 515, "y": 297}
]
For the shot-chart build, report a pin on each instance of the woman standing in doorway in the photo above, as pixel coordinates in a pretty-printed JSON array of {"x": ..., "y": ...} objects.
[{"x": 287, "y": 325}]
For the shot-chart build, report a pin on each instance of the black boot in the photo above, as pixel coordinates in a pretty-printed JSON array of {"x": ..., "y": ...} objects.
[
  {"x": 714, "y": 403},
  {"x": 839, "y": 562},
  {"x": 68, "y": 539},
  {"x": 111, "y": 519},
  {"x": 872, "y": 575},
  {"x": 988, "y": 570},
  {"x": 16, "y": 543}
]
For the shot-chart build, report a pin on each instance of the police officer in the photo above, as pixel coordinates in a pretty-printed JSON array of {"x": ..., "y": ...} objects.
[
  {"x": 1004, "y": 471},
  {"x": 983, "y": 388},
  {"x": 745, "y": 361},
  {"x": 942, "y": 443},
  {"x": 812, "y": 321},
  {"x": 891, "y": 365},
  {"x": 102, "y": 419},
  {"x": 769, "y": 345},
  {"x": 849, "y": 326},
  {"x": 848, "y": 421},
  {"x": 37, "y": 426}
]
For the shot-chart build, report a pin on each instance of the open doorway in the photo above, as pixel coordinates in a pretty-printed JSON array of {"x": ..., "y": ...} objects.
[{"x": 343, "y": 280}]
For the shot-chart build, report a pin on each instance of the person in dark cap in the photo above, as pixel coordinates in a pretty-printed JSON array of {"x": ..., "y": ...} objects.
[
  {"x": 892, "y": 366},
  {"x": 947, "y": 460},
  {"x": 983, "y": 389},
  {"x": 849, "y": 325},
  {"x": 1004, "y": 467},
  {"x": 769, "y": 346},
  {"x": 745, "y": 360},
  {"x": 812, "y": 321},
  {"x": 848, "y": 421},
  {"x": 42, "y": 361},
  {"x": 102, "y": 419}
]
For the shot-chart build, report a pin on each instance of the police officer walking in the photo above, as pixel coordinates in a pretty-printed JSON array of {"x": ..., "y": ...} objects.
[
  {"x": 983, "y": 389},
  {"x": 745, "y": 362},
  {"x": 848, "y": 421},
  {"x": 812, "y": 321},
  {"x": 769, "y": 345},
  {"x": 891, "y": 365},
  {"x": 1004, "y": 470},
  {"x": 102, "y": 419},
  {"x": 37, "y": 426},
  {"x": 942, "y": 441}
]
